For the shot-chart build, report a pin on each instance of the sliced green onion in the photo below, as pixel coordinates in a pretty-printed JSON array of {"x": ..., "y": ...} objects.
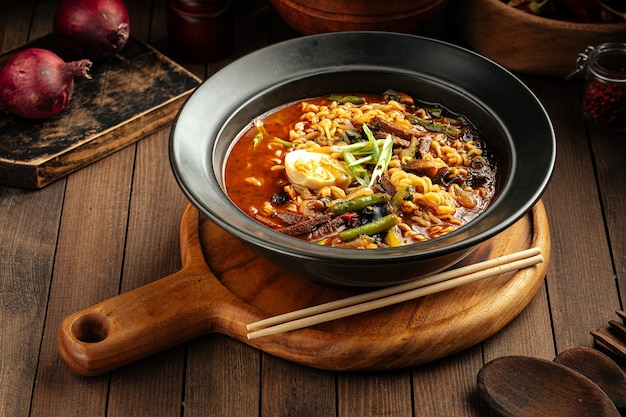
[
  {"x": 356, "y": 169},
  {"x": 372, "y": 142},
  {"x": 283, "y": 142},
  {"x": 261, "y": 133},
  {"x": 257, "y": 139},
  {"x": 357, "y": 148},
  {"x": 383, "y": 160},
  {"x": 359, "y": 161},
  {"x": 374, "y": 151}
]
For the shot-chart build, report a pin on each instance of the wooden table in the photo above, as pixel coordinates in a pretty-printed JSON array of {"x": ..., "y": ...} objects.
[{"x": 113, "y": 226}]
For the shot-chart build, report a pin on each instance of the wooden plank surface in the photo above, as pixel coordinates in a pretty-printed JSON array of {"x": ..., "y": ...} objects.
[
  {"x": 575, "y": 210},
  {"x": 41, "y": 278},
  {"x": 29, "y": 225},
  {"x": 29, "y": 229},
  {"x": 96, "y": 203},
  {"x": 610, "y": 160}
]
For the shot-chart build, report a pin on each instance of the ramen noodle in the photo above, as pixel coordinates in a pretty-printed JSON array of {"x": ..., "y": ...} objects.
[{"x": 361, "y": 171}]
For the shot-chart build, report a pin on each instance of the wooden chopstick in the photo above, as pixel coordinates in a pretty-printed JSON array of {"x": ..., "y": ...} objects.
[{"x": 393, "y": 295}]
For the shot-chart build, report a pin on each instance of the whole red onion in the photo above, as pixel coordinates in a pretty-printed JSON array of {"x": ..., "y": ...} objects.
[
  {"x": 36, "y": 83},
  {"x": 93, "y": 29}
]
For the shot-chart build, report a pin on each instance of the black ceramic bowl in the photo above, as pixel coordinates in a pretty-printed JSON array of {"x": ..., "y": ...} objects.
[{"x": 503, "y": 109}]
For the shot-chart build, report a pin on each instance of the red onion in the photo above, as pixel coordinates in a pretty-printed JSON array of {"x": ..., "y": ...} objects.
[
  {"x": 37, "y": 84},
  {"x": 93, "y": 29}
]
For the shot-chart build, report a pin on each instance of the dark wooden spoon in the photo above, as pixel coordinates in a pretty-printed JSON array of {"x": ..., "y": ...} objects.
[
  {"x": 601, "y": 369},
  {"x": 520, "y": 386}
]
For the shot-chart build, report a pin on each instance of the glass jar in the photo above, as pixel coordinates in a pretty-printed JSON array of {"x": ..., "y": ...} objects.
[
  {"x": 604, "y": 96},
  {"x": 200, "y": 31}
]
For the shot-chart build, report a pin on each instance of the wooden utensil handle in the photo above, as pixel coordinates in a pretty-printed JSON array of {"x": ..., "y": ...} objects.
[{"x": 138, "y": 323}]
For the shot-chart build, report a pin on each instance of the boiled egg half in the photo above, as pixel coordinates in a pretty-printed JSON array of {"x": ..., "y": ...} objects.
[{"x": 315, "y": 170}]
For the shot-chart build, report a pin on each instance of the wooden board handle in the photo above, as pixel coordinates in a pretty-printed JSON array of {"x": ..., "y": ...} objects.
[
  {"x": 136, "y": 324},
  {"x": 156, "y": 316}
]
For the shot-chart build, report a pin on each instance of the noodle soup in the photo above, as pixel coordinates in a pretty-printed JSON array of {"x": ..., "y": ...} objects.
[{"x": 361, "y": 171}]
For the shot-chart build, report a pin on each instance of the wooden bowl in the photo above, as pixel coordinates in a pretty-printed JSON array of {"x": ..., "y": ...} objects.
[
  {"x": 527, "y": 43},
  {"x": 313, "y": 17}
]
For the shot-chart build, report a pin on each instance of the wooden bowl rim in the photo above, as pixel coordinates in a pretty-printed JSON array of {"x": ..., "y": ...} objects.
[
  {"x": 304, "y": 7},
  {"x": 412, "y": 3},
  {"x": 560, "y": 24}
]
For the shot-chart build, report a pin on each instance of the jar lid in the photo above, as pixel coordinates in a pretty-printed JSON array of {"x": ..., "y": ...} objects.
[
  {"x": 608, "y": 61},
  {"x": 199, "y": 7}
]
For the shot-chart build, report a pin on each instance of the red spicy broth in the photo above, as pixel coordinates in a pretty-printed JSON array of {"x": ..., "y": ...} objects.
[{"x": 309, "y": 170}]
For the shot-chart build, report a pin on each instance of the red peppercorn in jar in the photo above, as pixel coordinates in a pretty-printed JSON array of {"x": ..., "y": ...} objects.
[{"x": 604, "y": 100}]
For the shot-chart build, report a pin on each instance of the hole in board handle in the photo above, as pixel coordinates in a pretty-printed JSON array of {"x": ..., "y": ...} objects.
[{"x": 90, "y": 328}]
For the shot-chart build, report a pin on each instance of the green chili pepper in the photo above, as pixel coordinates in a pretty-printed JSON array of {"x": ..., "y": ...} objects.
[
  {"x": 359, "y": 203},
  {"x": 410, "y": 151},
  {"x": 400, "y": 196},
  {"x": 377, "y": 226},
  {"x": 347, "y": 99}
]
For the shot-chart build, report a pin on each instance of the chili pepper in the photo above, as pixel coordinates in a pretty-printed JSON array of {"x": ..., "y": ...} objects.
[
  {"x": 351, "y": 218},
  {"x": 403, "y": 194},
  {"x": 392, "y": 239}
]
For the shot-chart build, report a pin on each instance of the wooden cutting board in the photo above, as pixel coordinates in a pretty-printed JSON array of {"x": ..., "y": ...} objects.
[
  {"x": 223, "y": 286},
  {"x": 131, "y": 95}
]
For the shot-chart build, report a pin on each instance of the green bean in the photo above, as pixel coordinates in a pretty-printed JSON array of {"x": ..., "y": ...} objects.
[
  {"x": 434, "y": 111},
  {"x": 449, "y": 130},
  {"x": 347, "y": 99},
  {"x": 358, "y": 204},
  {"x": 377, "y": 226}
]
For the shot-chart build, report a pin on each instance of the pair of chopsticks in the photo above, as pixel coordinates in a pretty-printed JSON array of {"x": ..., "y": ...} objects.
[{"x": 393, "y": 295}]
